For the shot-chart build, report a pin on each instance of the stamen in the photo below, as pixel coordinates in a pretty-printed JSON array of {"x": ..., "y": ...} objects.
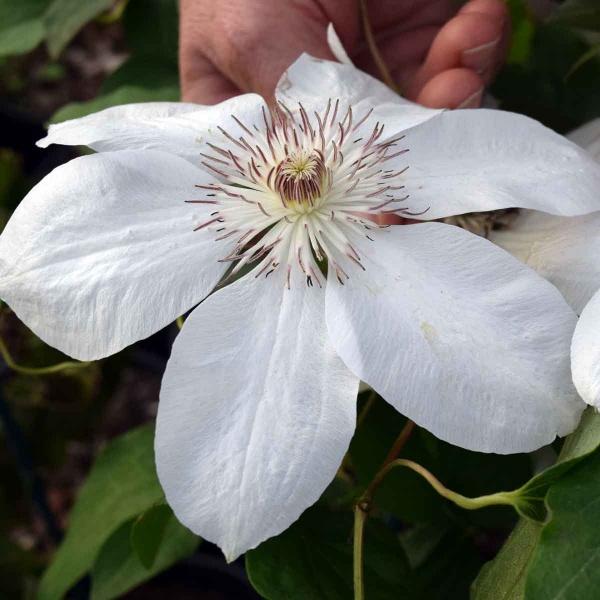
[
  {"x": 292, "y": 190},
  {"x": 242, "y": 126}
]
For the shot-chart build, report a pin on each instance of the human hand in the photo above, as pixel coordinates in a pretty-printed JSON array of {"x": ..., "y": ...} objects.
[{"x": 439, "y": 58}]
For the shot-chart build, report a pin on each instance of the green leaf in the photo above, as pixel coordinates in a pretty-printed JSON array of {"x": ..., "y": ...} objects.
[
  {"x": 64, "y": 19},
  {"x": 523, "y": 30},
  {"x": 152, "y": 28},
  {"x": 148, "y": 531},
  {"x": 585, "y": 439},
  {"x": 121, "y": 485},
  {"x": 584, "y": 14},
  {"x": 312, "y": 560},
  {"x": 138, "y": 80},
  {"x": 577, "y": 448},
  {"x": 118, "y": 568},
  {"x": 532, "y": 495},
  {"x": 540, "y": 88},
  {"x": 21, "y": 25},
  {"x": 444, "y": 560},
  {"x": 504, "y": 577},
  {"x": 566, "y": 561}
]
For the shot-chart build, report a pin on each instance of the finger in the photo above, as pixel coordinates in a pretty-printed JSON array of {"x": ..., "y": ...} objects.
[
  {"x": 454, "y": 88},
  {"x": 404, "y": 32},
  {"x": 402, "y": 54},
  {"x": 201, "y": 82},
  {"x": 498, "y": 11},
  {"x": 472, "y": 40},
  {"x": 252, "y": 42}
]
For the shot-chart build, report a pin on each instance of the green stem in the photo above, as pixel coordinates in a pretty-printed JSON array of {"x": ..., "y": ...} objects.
[
  {"x": 360, "y": 519},
  {"x": 399, "y": 443},
  {"x": 366, "y": 408},
  {"x": 361, "y": 508},
  {"x": 363, "y": 505},
  {"x": 506, "y": 498},
  {"x": 372, "y": 45},
  {"x": 8, "y": 359}
]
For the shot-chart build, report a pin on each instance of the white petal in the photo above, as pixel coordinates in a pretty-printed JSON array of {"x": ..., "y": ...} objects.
[
  {"x": 312, "y": 81},
  {"x": 585, "y": 353},
  {"x": 103, "y": 252},
  {"x": 563, "y": 250},
  {"x": 460, "y": 337},
  {"x": 175, "y": 127},
  {"x": 256, "y": 412},
  {"x": 124, "y": 119},
  {"x": 336, "y": 46},
  {"x": 588, "y": 136},
  {"x": 479, "y": 160}
]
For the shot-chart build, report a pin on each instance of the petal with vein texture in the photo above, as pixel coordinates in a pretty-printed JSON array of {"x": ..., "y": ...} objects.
[
  {"x": 256, "y": 412},
  {"x": 179, "y": 128},
  {"x": 460, "y": 337},
  {"x": 478, "y": 160},
  {"x": 103, "y": 252},
  {"x": 563, "y": 250},
  {"x": 588, "y": 136},
  {"x": 585, "y": 353},
  {"x": 312, "y": 81}
]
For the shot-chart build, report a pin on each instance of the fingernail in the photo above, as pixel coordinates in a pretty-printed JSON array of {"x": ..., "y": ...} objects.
[
  {"x": 473, "y": 101},
  {"x": 480, "y": 57}
]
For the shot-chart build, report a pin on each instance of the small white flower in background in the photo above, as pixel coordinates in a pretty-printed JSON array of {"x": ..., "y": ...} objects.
[
  {"x": 258, "y": 402},
  {"x": 566, "y": 251}
]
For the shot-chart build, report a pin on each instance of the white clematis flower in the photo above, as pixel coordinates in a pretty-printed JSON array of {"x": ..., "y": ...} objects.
[
  {"x": 566, "y": 251},
  {"x": 258, "y": 400}
]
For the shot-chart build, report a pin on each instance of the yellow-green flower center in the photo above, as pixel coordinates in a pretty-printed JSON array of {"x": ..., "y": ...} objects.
[{"x": 301, "y": 180}]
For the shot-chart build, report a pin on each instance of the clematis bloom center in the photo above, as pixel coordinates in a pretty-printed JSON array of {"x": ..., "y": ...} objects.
[
  {"x": 301, "y": 180},
  {"x": 297, "y": 190}
]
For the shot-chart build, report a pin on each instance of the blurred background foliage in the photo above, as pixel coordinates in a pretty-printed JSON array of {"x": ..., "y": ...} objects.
[{"x": 81, "y": 510}]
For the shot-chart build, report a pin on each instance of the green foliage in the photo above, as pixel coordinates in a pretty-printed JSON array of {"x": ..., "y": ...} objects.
[
  {"x": 468, "y": 473},
  {"x": 544, "y": 86},
  {"x": 368, "y": 450},
  {"x": 151, "y": 27},
  {"x": 504, "y": 577},
  {"x": 523, "y": 30},
  {"x": 121, "y": 485},
  {"x": 507, "y": 574},
  {"x": 12, "y": 181},
  {"x": 118, "y": 532},
  {"x": 21, "y": 25},
  {"x": 119, "y": 567},
  {"x": 577, "y": 448},
  {"x": 444, "y": 561},
  {"x": 566, "y": 562},
  {"x": 312, "y": 560},
  {"x": 64, "y": 18},
  {"x": 136, "y": 81},
  {"x": 148, "y": 531},
  {"x": 584, "y": 14},
  {"x": 151, "y": 74}
]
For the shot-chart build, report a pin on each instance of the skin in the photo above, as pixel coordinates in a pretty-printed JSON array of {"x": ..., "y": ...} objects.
[{"x": 439, "y": 57}]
